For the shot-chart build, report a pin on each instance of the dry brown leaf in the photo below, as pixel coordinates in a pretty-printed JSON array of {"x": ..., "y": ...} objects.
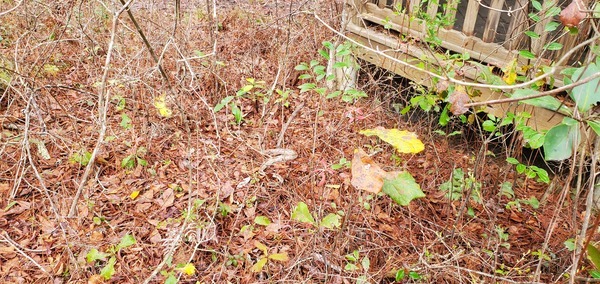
[
  {"x": 167, "y": 198},
  {"x": 457, "y": 101},
  {"x": 225, "y": 191},
  {"x": 366, "y": 174},
  {"x": 571, "y": 16}
]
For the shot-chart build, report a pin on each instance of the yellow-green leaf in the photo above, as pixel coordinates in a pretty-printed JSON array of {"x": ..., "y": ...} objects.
[
  {"x": 331, "y": 221},
  {"x": 161, "y": 105},
  {"x": 404, "y": 141},
  {"x": 259, "y": 265},
  {"x": 188, "y": 269},
  {"x": 302, "y": 214},
  {"x": 510, "y": 72},
  {"x": 594, "y": 255},
  {"x": 279, "y": 256},
  {"x": 261, "y": 247},
  {"x": 402, "y": 189}
]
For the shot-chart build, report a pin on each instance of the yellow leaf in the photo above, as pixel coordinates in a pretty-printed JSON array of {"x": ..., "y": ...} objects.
[
  {"x": 259, "y": 265},
  {"x": 404, "y": 141},
  {"x": 510, "y": 72},
  {"x": 161, "y": 105},
  {"x": 279, "y": 256},
  {"x": 134, "y": 194},
  {"x": 260, "y": 246},
  {"x": 188, "y": 269}
]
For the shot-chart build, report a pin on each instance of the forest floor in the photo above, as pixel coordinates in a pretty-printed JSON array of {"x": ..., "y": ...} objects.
[{"x": 179, "y": 192}]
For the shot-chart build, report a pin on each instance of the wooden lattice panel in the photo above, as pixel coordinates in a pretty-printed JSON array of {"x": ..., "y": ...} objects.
[{"x": 485, "y": 29}]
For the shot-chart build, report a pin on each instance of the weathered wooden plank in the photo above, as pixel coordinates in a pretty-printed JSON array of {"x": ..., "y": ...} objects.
[
  {"x": 414, "y": 6},
  {"x": 432, "y": 9},
  {"x": 537, "y": 45},
  {"x": 471, "y": 18},
  {"x": 450, "y": 12},
  {"x": 515, "y": 39},
  {"x": 493, "y": 18}
]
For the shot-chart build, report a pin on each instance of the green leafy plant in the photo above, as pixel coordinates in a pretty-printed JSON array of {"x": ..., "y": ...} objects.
[
  {"x": 252, "y": 90},
  {"x": 529, "y": 171},
  {"x": 96, "y": 256},
  {"x": 459, "y": 184},
  {"x": 401, "y": 274},
  {"x": 342, "y": 164},
  {"x": 301, "y": 213},
  {"x": 266, "y": 257},
  {"x": 81, "y": 157},
  {"x": 134, "y": 159},
  {"x": 316, "y": 73}
]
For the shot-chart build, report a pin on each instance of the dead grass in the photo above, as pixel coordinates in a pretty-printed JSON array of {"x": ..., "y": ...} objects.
[{"x": 203, "y": 186}]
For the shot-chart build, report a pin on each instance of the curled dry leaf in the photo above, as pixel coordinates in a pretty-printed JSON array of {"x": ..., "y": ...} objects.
[
  {"x": 571, "y": 16},
  {"x": 442, "y": 85},
  {"x": 457, "y": 101}
]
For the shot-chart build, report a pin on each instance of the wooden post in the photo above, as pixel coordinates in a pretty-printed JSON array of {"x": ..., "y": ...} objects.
[
  {"x": 491, "y": 25},
  {"x": 471, "y": 17}
]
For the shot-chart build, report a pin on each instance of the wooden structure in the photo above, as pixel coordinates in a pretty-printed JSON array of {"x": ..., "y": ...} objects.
[{"x": 492, "y": 32}]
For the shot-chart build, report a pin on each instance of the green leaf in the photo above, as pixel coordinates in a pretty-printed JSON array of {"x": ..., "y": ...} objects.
[
  {"x": 365, "y": 263},
  {"x": 331, "y": 221},
  {"x": 593, "y": 255},
  {"x": 402, "y": 189},
  {"x": 223, "y": 103},
  {"x": 171, "y": 279},
  {"x": 551, "y": 26},
  {"x": 533, "y": 202},
  {"x": 595, "y": 274},
  {"x": 128, "y": 162},
  {"x": 302, "y": 67},
  {"x": 262, "y": 220},
  {"x": 304, "y": 76},
  {"x": 414, "y": 275},
  {"x": 553, "y": 46},
  {"x": 125, "y": 121},
  {"x": 324, "y": 54},
  {"x": 258, "y": 267},
  {"x": 512, "y": 161},
  {"x": 507, "y": 190},
  {"x": 340, "y": 65},
  {"x": 306, "y": 87},
  {"x": 547, "y": 102},
  {"x": 588, "y": 94},
  {"x": 302, "y": 214},
  {"x": 108, "y": 270},
  {"x": 595, "y": 125},
  {"x": 400, "y": 274},
  {"x": 532, "y": 35},
  {"x": 560, "y": 141},
  {"x": 94, "y": 255},
  {"x": 237, "y": 113},
  {"x": 333, "y": 94},
  {"x": 537, "y": 5},
  {"x": 126, "y": 241},
  {"x": 350, "y": 267},
  {"x": 570, "y": 244},
  {"x": 553, "y": 11},
  {"x": 527, "y": 54},
  {"x": 244, "y": 90}
]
